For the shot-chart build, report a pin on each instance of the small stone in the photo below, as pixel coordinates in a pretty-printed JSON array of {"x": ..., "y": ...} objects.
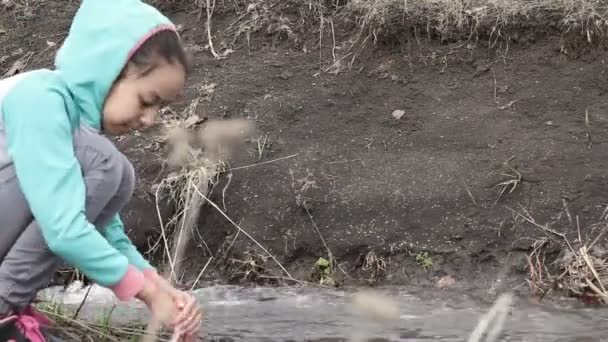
[
  {"x": 286, "y": 75},
  {"x": 445, "y": 281},
  {"x": 397, "y": 114}
]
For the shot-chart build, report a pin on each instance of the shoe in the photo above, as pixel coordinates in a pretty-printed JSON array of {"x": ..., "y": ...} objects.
[
  {"x": 9, "y": 331},
  {"x": 24, "y": 327}
]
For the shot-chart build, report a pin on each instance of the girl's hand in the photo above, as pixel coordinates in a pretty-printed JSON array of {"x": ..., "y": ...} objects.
[
  {"x": 188, "y": 321},
  {"x": 160, "y": 302},
  {"x": 189, "y": 315}
]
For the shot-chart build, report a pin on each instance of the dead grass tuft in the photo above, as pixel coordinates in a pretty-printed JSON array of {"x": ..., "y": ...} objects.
[
  {"x": 196, "y": 160},
  {"x": 581, "y": 272},
  {"x": 375, "y": 265},
  {"x": 585, "y": 271}
]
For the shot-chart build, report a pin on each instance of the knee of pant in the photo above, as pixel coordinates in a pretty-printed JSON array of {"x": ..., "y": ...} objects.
[
  {"x": 127, "y": 185},
  {"x": 100, "y": 161}
]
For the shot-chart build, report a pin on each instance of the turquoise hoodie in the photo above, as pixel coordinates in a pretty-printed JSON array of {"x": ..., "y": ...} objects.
[{"x": 42, "y": 110}]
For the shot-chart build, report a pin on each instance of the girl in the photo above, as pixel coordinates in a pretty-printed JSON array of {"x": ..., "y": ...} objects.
[{"x": 62, "y": 183}]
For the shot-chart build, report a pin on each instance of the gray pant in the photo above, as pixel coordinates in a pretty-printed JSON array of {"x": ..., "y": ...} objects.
[{"x": 26, "y": 263}]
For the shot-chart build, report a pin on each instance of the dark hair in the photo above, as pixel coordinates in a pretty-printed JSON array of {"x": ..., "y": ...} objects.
[{"x": 164, "y": 45}]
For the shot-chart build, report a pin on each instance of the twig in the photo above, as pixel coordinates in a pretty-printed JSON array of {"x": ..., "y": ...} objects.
[{"x": 243, "y": 231}]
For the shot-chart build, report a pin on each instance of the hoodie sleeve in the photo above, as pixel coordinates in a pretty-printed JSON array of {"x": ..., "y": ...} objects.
[
  {"x": 114, "y": 232},
  {"x": 39, "y": 139}
]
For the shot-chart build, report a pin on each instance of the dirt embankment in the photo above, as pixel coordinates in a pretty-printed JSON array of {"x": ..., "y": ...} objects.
[{"x": 407, "y": 155}]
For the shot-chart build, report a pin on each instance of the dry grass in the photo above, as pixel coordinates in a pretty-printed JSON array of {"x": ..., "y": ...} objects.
[
  {"x": 340, "y": 30},
  {"x": 445, "y": 18}
]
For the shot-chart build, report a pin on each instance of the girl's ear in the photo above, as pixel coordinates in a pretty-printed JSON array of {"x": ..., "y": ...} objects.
[{"x": 130, "y": 70}]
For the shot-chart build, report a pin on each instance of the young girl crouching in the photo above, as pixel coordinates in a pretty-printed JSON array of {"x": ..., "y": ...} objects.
[{"x": 63, "y": 183}]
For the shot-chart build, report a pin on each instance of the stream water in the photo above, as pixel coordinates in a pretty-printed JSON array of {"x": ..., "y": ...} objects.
[{"x": 312, "y": 314}]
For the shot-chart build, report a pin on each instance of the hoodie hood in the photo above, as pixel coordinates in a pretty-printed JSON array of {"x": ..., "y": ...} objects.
[{"x": 101, "y": 39}]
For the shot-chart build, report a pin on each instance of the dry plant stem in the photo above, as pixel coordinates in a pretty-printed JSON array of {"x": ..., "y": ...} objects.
[
  {"x": 544, "y": 228},
  {"x": 200, "y": 274},
  {"x": 578, "y": 229},
  {"x": 598, "y": 237},
  {"x": 469, "y": 192},
  {"x": 321, "y": 22},
  {"x": 224, "y": 192},
  {"x": 83, "y": 301},
  {"x": 244, "y": 232},
  {"x": 210, "y": 9},
  {"x": 588, "y": 129},
  {"x": 190, "y": 217},
  {"x": 585, "y": 256},
  {"x": 596, "y": 290},
  {"x": 162, "y": 228},
  {"x": 266, "y": 162},
  {"x": 329, "y": 253},
  {"x": 333, "y": 36},
  {"x": 299, "y": 282},
  {"x": 158, "y": 242},
  {"x": 495, "y": 87}
]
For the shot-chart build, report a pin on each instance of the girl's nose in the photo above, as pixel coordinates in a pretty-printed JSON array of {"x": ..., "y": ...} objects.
[{"x": 149, "y": 117}]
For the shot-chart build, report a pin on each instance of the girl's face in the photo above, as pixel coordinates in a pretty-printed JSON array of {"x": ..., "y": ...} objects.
[{"x": 135, "y": 100}]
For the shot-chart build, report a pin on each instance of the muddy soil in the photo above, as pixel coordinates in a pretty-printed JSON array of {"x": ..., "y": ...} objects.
[{"x": 485, "y": 134}]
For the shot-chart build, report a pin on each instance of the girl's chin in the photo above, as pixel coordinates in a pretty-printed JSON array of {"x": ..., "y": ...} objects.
[{"x": 115, "y": 130}]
